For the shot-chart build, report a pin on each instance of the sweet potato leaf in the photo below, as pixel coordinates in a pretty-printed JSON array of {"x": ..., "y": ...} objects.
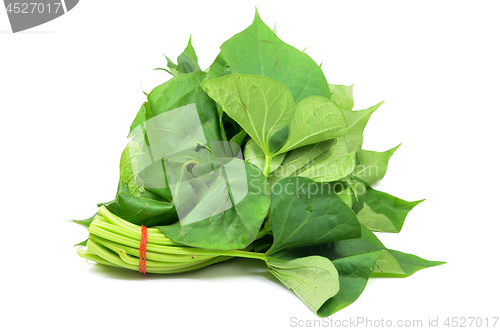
[
  {"x": 299, "y": 158},
  {"x": 148, "y": 209},
  {"x": 139, "y": 118},
  {"x": 383, "y": 212},
  {"x": 258, "y": 51},
  {"x": 180, "y": 91},
  {"x": 354, "y": 272},
  {"x": 187, "y": 61},
  {"x": 255, "y": 155},
  {"x": 235, "y": 227},
  {"x": 305, "y": 213},
  {"x": 262, "y": 106},
  {"x": 356, "y": 260},
  {"x": 332, "y": 165},
  {"x": 342, "y": 95},
  {"x": 86, "y": 222},
  {"x": 313, "y": 279},
  {"x": 356, "y": 122},
  {"x": 316, "y": 119},
  {"x": 373, "y": 165}
]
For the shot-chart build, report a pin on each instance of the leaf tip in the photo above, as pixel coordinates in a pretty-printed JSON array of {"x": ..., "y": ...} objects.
[{"x": 257, "y": 16}]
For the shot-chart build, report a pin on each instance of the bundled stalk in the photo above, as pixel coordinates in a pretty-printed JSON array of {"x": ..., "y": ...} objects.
[{"x": 115, "y": 242}]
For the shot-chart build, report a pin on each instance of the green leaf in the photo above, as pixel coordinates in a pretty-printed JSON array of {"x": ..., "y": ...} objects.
[
  {"x": 298, "y": 158},
  {"x": 305, "y": 213},
  {"x": 356, "y": 260},
  {"x": 139, "y": 118},
  {"x": 373, "y": 165},
  {"x": 233, "y": 228},
  {"x": 316, "y": 119},
  {"x": 388, "y": 264},
  {"x": 323, "y": 162},
  {"x": 219, "y": 68},
  {"x": 239, "y": 138},
  {"x": 332, "y": 165},
  {"x": 354, "y": 272},
  {"x": 181, "y": 91},
  {"x": 129, "y": 168},
  {"x": 383, "y": 212},
  {"x": 253, "y": 154},
  {"x": 83, "y": 243},
  {"x": 86, "y": 222},
  {"x": 408, "y": 264},
  {"x": 313, "y": 279},
  {"x": 258, "y": 51},
  {"x": 188, "y": 61},
  {"x": 342, "y": 95},
  {"x": 148, "y": 209},
  {"x": 261, "y": 106},
  {"x": 356, "y": 122}
]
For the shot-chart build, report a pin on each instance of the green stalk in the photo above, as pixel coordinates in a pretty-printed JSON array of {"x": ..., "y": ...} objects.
[
  {"x": 267, "y": 166},
  {"x": 114, "y": 241}
]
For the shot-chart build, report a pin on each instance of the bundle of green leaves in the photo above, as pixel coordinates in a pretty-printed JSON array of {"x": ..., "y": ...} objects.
[{"x": 299, "y": 198}]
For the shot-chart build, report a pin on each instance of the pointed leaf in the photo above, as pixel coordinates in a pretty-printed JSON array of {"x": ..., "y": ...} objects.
[
  {"x": 188, "y": 61},
  {"x": 373, "y": 165},
  {"x": 356, "y": 122},
  {"x": 383, "y": 212},
  {"x": 86, "y": 222},
  {"x": 342, "y": 95},
  {"x": 258, "y": 51},
  {"x": 83, "y": 243},
  {"x": 408, "y": 263}
]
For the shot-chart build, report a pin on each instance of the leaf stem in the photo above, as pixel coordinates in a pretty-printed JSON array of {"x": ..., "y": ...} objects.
[{"x": 267, "y": 166}]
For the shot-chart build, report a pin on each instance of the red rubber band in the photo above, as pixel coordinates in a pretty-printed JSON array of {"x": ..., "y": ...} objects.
[{"x": 142, "y": 250}]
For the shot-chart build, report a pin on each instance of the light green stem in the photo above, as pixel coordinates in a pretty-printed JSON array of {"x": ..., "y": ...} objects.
[{"x": 267, "y": 166}]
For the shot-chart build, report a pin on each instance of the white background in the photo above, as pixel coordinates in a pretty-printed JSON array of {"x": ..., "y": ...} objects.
[{"x": 69, "y": 90}]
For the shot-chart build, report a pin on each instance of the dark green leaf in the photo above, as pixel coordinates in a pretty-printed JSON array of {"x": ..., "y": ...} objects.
[
  {"x": 86, "y": 222},
  {"x": 354, "y": 272},
  {"x": 83, "y": 243},
  {"x": 188, "y": 61},
  {"x": 239, "y": 138},
  {"x": 181, "y": 91},
  {"x": 233, "y": 228},
  {"x": 148, "y": 209},
  {"x": 305, "y": 213}
]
